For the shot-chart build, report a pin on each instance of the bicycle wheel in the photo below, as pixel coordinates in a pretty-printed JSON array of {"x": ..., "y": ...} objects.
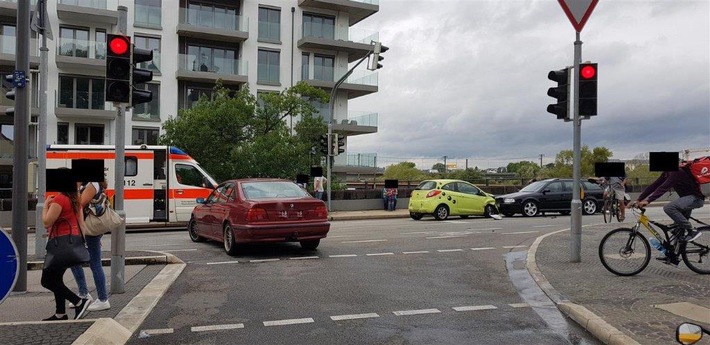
[
  {"x": 615, "y": 207},
  {"x": 606, "y": 210},
  {"x": 624, "y": 252},
  {"x": 696, "y": 254}
]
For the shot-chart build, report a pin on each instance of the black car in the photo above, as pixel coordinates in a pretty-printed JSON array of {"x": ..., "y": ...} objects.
[{"x": 551, "y": 195}]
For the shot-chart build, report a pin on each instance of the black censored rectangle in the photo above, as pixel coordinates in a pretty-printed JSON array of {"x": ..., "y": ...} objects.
[{"x": 663, "y": 161}]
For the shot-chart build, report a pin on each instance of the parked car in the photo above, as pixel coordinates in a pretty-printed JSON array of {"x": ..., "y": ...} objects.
[
  {"x": 551, "y": 195},
  {"x": 444, "y": 198},
  {"x": 259, "y": 210}
]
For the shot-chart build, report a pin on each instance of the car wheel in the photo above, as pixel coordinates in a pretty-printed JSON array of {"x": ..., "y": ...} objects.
[
  {"x": 192, "y": 230},
  {"x": 310, "y": 244},
  {"x": 488, "y": 211},
  {"x": 508, "y": 214},
  {"x": 230, "y": 246},
  {"x": 589, "y": 206},
  {"x": 416, "y": 216},
  {"x": 441, "y": 212},
  {"x": 530, "y": 209}
]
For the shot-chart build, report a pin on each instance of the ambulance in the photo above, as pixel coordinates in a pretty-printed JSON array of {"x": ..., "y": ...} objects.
[{"x": 161, "y": 183}]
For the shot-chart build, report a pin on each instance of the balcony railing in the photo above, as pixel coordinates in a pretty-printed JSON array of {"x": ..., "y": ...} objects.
[
  {"x": 213, "y": 19},
  {"x": 222, "y": 66},
  {"x": 363, "y": 36},
  {"x": 83, "y": 100},
  {"x": 8, "y": 45},
  {"x": 362, "y": 78},
  {"x": 371, "y": 2},
  {"x": 81, "y": 48},
  {"x": 365, "y": 119},
  {"x": 147, "y": 15},
  {"x": 98, "y": 4},
  {"x": 363, "y": 160}
]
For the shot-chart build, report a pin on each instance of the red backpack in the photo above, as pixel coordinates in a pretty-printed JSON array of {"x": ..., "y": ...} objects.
[{"x": 699, "y": 168}]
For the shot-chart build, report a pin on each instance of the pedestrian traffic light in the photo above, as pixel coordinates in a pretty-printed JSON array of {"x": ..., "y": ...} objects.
[
  {"x": 338, "y": 144},
  {"x": 376, "y": 57},
  {"x": 588, "y": 89},
  {"x": 118, "y": 69},
  {"x": 324, "y": 144},
  {"x": 10, "y": 95},
  {"x": 560, "y": 93},
  {"x": 140, "y": 75}
]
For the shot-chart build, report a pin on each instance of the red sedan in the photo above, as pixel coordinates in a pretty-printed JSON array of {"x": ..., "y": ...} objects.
[{"x": 259, "y": 210}]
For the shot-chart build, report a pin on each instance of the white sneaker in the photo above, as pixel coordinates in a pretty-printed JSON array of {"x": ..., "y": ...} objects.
[
  {"x": 99, "y": 305},
  {"x": 87, "y": 296}
]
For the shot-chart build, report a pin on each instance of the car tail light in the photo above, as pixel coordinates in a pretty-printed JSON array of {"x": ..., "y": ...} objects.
[
  {"x": 321, "y": 212},
  {"x": 433, "y": 193},
  {"x": 256, "y": 215}
]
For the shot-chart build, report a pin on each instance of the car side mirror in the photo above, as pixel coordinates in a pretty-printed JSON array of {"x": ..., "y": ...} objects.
[
  {"x": 545, "y": 191},
  {"x": 688, "y": 333},
  {"x": 200, "y": 200}
]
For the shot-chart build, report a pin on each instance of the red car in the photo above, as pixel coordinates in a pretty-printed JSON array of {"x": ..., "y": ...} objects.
[{"x": 259, "y": 210}]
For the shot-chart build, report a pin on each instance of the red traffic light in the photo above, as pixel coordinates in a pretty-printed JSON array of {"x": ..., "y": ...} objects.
[
  {"x": 588, "y": 71},
  {"x": 118, "y": 45}
]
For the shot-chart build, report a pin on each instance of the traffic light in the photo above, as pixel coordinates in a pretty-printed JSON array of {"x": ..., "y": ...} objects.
[
  {"x": 324, "y": 144},
  {"x": 561, "y": 93},
  {"x": 376, "y": 58},
  {"x": 118, "y": 69},
  {"x": 140, "y": 75},
  {"x": 338, "y": 144},
  {"x": 588, "y": 89},
  {"x": 10, "y": 95}
]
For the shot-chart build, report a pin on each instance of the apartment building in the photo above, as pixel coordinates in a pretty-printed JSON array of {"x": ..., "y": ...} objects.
[{"x": 268, "y": 45}]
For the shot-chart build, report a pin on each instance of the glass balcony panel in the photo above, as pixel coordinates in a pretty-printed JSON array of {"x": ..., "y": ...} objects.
[
  {"x": 98, "y": 4},
  {"x": 81, "y": 48},
  {"x": 148, "y": 15},
  {"x": 362, "y": 119},
  {"x": 213, "y": 18},
  {"x": 84, "y": 99},
  {"x": 220, "y": 65},
  {"x": 363, "y": 160},
  {"x": 362, "y": 78},
  {"x": 8, "y": 45},
  {"x": 153, "y": 65},
  {"x": 363, "y": 36}
]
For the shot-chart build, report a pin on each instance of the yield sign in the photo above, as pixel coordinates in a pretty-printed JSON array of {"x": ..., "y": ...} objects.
[{"x": 578, "y": 11}]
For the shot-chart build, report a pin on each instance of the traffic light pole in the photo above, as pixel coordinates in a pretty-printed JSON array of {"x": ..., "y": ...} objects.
[
  {"x": 40, "y": 231},
  {"x": 576, "y": 206}
]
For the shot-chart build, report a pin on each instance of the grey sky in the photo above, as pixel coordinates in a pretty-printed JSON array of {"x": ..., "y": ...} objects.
[{"x": 468, "y": 79}]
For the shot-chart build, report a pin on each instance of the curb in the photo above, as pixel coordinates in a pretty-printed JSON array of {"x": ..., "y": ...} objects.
[
  {"x": 162, "y": 259},
  {"x": 365, "y": 216},
  {"x": 591, "y": 322},
  {"x": 104, "y": 331}
]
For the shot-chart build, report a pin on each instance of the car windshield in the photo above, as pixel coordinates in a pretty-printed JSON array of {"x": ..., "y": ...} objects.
[
  {"x": 427, "y": 185},
  {"x": 534, "y": 187},
  {"x": 272, "y": 190}
]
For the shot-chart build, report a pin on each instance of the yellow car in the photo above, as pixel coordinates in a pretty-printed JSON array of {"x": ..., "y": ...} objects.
[{"x": 444, "y": 198}]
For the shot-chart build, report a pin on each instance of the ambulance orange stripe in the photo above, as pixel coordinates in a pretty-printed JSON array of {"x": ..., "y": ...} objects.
[{"x": 95, "y": 155}]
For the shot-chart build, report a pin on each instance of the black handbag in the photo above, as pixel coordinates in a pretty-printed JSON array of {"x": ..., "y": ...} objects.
[{"x": 65, "y": 251}]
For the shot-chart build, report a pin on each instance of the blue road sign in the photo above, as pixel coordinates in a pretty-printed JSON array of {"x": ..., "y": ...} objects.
[
  {"x": 9, "y": 265},
  {"x": 19, "y": 79}
]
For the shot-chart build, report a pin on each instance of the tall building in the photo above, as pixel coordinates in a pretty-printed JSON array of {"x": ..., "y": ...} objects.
[{"x": 268, "y": 45}]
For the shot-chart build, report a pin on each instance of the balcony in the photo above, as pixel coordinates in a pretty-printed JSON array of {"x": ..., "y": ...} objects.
[
  {"x": 84, "y": 105},
  {"x": 86, "y": 57},
  {"x": 8, "y": 8},
  {"x": 8, "y": 46},
  {"x": 212, "y": 25},
  {"x": 356, "y": 45},
  {"x": 77, "y": 11},
  {"x": 231, "y": 71},
  {"x": 356, "y": 9},
  {"x": 358, "y": 84},
  {"x": 356, "y": 124}
]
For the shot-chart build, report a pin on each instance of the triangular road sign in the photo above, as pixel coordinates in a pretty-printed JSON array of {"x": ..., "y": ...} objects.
[{"x": 578, "y": 11}]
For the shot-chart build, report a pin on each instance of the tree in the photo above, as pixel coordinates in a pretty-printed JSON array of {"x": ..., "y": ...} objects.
[
  {"x": 524, "y": 168},
  {"x": 404, "y": 171},
  {"x": 440, "y": 167},
  {"x": 469, "y": 174},
  {"x": 565, "y": 158}
]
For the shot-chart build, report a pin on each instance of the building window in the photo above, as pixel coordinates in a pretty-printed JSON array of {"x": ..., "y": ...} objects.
[
  {"x": 212, "y": 16},
  {"x": 215, "y": 60},
  {"x": 148, "y": 136},
  {"x": 62, "y": 133},
  {"x": 323, "y": 67},
  {"x": 269, "y": 24},
  {"x": 81, "y": 93},
  {"x": 305, "y": 74},
  {"x": 153, "y": 44},
  {"x": 268, "y": 67},
  {"x": 74, "y": 42},
  {"x": 100, "y": 45},
  {"x": 147, "y": 12},
  {"x": 150, "y": 110},
  {"x": 9, "y": 37},
  {"x": 318, "y": 26},
  {"x": 85, "y": 134},
  {"x": 194, "y": 94}
]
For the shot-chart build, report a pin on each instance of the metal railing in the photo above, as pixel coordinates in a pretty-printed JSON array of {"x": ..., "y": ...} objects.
[
  {"x": 362, "y": 160},
  {"x": 213, "y": 19},
  {"x": 190, "y": 62}
]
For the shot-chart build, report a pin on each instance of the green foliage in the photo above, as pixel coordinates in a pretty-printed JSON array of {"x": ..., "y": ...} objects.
[
  {"x": 404, "y": 171},
  {"x": 440, "y": 167},
  {"x": 469, "y": 174},
  {"x": 524, "y": 168},
  {"x": 565, "y": 158}
]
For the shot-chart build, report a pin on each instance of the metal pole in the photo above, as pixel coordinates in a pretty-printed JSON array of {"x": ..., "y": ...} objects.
[
  {"x": 118, "y": 238},
  {"x": 576, "y": 206},
  {"x": 21, "y": 133},
  {"x": 40, "y": 231}
]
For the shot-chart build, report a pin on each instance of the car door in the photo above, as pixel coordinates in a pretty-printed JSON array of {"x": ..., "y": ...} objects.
[
  {"x": 220, "y": 207},
  {"x": 452, "y": 197},
  {"x": 203, "y": 215},
  {"x": 554, "y": 194},
  {"x": 474, "y": 201}
]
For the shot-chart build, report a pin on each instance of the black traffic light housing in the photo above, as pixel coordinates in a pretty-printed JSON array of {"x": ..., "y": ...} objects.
[
  {"x": 588, "y": 89},
  {"x": 378, "y": 49},
  {"x": 10, "y": 95},
  {"x": 338, "y": 144},
  {"x": 324, "y": 144},
  {"x": 118, "y": 69},
  {"x": 140, "y": 75},
  {"x": 560, "y": 93}
]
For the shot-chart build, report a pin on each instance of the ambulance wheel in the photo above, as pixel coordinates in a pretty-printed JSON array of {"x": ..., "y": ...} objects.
[{"x": 192, "y": 229}]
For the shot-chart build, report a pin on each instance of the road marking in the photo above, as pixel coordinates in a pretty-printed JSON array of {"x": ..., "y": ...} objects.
[
  {"x": 149, "y": 332},
  {"x": 223, "y": 262},
  {"x": 418, "y": 233},
  {"x": 354, "y": 316},
  {"x": 305, "y": 258},
  {"x": 288, "y": 322},
  {"x": 263, "y": 260},
  {"x": 417, "y": 252},
  {"x": 519, "y": 305},
  {"x": 440, "y": 237},
  {"x": 511, "y": 247},
  {"x": 449, "y": 250},
  {"x": 487, "y": 229},
  {"x": 344, "y": 256},
  {"x": 455, "y": 221},
  {"x": 364, "y": 241},
  {"x": 416, "y": 312},
  {"x": 180, "y": 250},
  {"x": 544, "y": 226},
  {"x": 519, "y": 233},
  {"x": 483, "y": 248},
  {"x": 379, "y": 254},
  {"x": 475, "y": 307},
  {"x": 217, "y": 327}
]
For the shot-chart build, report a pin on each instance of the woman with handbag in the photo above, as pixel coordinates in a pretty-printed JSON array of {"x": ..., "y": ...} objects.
[
  {"x": 63, "y": 216},
  {"x": 93, "y": 202}
]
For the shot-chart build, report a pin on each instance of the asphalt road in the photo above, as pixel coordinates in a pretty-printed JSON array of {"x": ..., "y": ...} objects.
[{"x": 395, "y": 281}]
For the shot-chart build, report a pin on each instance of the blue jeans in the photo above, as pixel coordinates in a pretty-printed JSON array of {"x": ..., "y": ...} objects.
[{"x": 94, "y": 245}]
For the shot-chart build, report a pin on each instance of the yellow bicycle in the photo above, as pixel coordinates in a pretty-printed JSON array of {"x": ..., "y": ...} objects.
[{"x": 626, "y": 252}]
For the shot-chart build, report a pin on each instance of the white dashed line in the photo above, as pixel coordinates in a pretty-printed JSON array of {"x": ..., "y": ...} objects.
[
  {"x": 449, "y": 250},
  {"x": 511, "y": 247},
  {"x": 416, "y": 312},
  {"x": 475, "y": 307},
  {"x": 305, "y": 258},
  {"x": 343, "y": 256},
  {"x": 455, "y": 221},
  {"x": 418, "y": 233},
  {"x": 288, "y": 322},
  {"x": 440, "y": 237},
  {"x": 157, "y": 331},
  {"x": 223, "y": 262},
  {"x": 364, "y": 241},
  {"x": 519, "y": 305},
  {"x": 217, "y": 327},
  {"x": 379, "y": 254},
  {"x": 519, "y": 233},
  {"x": 417, "y": 252},
  {"x": 483, "y": 248},
  {"x": 263, "y": 260},
  {"x": 180, "y": 250},
  {"x": 354, "y": 316},
  {"x": 544, "y": 226}
]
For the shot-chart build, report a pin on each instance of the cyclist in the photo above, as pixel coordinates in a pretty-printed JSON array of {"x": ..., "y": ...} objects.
[
  {"x": 689, "y": 198},
  {"x": 618, "y": 185}
]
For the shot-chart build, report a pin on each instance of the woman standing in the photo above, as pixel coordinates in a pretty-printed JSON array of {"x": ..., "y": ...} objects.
[{"x": 63, "y": 216}]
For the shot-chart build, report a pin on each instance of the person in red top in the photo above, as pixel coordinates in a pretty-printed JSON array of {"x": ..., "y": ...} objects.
[{"x": 61, "y": 215}]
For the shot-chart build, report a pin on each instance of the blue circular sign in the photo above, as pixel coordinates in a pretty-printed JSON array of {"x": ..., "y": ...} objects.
[{"x": 9, "y": 265}]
